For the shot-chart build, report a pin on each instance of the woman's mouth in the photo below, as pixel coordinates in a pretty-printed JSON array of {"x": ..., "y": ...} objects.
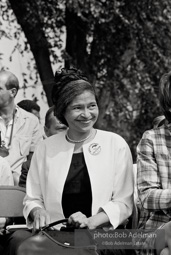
[{"x": 85, "y": 121}]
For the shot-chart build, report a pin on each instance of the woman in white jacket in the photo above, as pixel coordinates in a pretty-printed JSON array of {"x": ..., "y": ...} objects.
[{"x": 83, "y": 174}]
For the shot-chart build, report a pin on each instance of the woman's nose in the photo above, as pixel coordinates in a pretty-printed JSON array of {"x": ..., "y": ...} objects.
[{"x": 85, "y": 113}]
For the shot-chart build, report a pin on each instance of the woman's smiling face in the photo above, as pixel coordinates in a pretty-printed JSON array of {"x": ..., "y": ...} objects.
[{"x": 82, "y": 113}]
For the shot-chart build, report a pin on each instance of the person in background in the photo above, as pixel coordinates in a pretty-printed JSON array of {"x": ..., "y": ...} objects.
[
  {"x": 30, "y": 106},
  {"x": 52, "y": 124},
  {"x": 19, "y": 129},
  {"x": 52, "y": 127},
  {"x": 154, "y": 175},
  {"x": 159, "y": 121}
]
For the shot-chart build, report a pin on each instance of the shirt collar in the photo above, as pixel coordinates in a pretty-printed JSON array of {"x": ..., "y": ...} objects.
[{"x": 16, "y": 114}]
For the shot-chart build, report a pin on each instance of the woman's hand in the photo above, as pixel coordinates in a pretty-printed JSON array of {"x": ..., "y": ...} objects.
[
  {"x": 40, "y": 218},
  {"x": 79, "y": 220},
  {"x": 2, "y": 225}
]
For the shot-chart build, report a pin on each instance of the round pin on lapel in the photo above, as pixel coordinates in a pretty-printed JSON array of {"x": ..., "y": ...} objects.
[{"x": 94, "y": 148}]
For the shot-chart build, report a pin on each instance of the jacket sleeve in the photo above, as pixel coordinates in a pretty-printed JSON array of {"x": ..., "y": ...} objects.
[
  {"x": 151, "y": 193},
  {"x": 34, "y": 195},
  {"x": 119, "y": 209}
]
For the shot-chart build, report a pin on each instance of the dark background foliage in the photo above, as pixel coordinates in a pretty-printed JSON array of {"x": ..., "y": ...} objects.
[{"x": 123, "y": 46}]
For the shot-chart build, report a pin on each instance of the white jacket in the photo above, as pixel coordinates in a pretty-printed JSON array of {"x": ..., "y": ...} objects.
[{"x": 109, "y": 163}]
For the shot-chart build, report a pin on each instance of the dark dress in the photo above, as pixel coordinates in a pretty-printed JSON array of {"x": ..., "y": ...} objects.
[{"x": 77, "y": 196}]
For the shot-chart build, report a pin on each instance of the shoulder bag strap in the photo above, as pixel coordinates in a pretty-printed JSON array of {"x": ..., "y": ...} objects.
[{"x": 54, "y": 223}]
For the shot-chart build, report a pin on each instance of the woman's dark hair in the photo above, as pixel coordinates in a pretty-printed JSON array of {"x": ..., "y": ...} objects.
[
  {"x": 69, "y": 83},
  {"x": 165, "y": 95}
]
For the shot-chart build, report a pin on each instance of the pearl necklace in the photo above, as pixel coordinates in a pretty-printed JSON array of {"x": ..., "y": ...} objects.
[{"x": 80, "y": 141}]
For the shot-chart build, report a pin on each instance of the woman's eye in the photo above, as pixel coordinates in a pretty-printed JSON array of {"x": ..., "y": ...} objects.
[
  {"x": 77, "y": 108},
  {"x": 92, "y": 106}
]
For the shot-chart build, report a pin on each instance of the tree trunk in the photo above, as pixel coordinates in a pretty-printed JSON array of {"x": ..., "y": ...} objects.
[
  {"x": 76, "y": 42},
  {"x": 33, "y": 29}
]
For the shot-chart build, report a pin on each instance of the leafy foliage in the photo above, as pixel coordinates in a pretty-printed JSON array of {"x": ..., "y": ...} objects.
[
  {"x": 129, "y": 49},
  {"x": 123, "y": 45}
]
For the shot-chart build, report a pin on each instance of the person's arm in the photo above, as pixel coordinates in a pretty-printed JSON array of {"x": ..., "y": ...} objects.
[
  {"x": 6, "y": 177},
  {"x": 40, "y": 217},
  {"x": 80, "y": 220},
  {"x": 151, "y": 193},
  {"x": 120, "y": 207},
  {"x": 34, "y": 196},
  {"x": 3, "y": 222},
  {"x": 99, "y": 220}
]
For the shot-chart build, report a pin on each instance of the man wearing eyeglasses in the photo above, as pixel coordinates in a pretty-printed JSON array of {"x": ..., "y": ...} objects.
[{"x": 19, "y": 130}]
